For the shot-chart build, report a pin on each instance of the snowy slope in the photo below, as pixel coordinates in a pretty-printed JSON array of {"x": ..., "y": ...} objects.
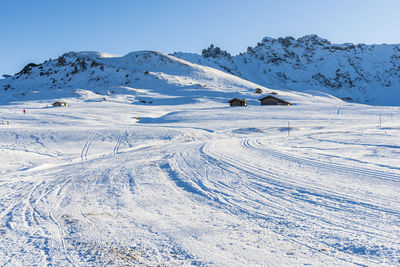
[
  {"x": 199, "y": 184},
  {"x": 360, "y": 73},
  {"x": 355, "y": 72},
  {"x": 148, "y": 165},
  {"x": 144, "y": 75}
]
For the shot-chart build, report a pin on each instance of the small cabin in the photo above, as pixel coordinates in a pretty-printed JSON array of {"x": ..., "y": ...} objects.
[
  {"x": 59, "y": 104},
  {"x": 259, "y": 91},
  {"x": 272, "y": 100},
  {"x": 237, "y": 102}
]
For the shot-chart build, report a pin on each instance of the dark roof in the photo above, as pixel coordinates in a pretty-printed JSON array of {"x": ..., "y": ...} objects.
[
  {"x": 238, "y": 99},
  {"x": 273, "y": 97}
]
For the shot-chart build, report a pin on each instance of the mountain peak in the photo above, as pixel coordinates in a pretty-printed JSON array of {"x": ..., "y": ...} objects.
[
  {"x": 359, "y": 73},
  {"x": 214, "y": 52},
  {"x": 314, "y": 39}
]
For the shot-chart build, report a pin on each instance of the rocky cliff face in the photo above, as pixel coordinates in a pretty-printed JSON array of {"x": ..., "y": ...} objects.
[{"x": 354, "y": 72}]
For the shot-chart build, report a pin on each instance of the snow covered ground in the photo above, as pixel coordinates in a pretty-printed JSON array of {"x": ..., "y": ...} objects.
[{"x": 111, "y": 182}]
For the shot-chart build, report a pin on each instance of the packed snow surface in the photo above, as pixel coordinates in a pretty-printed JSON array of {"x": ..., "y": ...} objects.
[
  {"x": 121, "y": 183},
  {"x": 148, "y": 165}
]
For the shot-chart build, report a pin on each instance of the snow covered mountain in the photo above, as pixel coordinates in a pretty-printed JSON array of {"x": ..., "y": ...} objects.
[
  {"x": 145, "y": 76},
  {"x": 148, "y": 165},
  {"x": 199, "y": 184},
  {"x": 360, "y": 73}
]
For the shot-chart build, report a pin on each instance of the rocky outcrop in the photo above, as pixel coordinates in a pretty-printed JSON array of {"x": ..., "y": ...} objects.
[{"x": 364, "y": 73}]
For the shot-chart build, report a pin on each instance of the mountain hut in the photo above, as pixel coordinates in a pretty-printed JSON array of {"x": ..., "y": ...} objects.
[
  {"x": 59, "y": 104},
  {"x": 272, "y": 100},
  {"x": 237, "y": 102}
]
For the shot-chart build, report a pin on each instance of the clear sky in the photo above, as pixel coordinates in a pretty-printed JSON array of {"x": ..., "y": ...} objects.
[{"x": 36, "y": 30}]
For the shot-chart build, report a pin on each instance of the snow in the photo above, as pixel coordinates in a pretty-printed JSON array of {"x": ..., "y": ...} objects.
[
  {"x": 361, "y": 73},
  {"x": 161, "y": 171},
  {"x": 144, "y": 75},
  {"x": 199, "y": 183}
]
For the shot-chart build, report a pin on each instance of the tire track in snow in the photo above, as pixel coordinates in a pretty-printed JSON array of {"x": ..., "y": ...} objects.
[
  {"x": 291, "y": 184},
  {"x": 340, "y": 169},
  {"x": 60, "y": 193},
  {"x": 263, "y": 185},
  {"x": 219, "y": 193},
  {"x": 37, "y": 217},
  {"x": 95, "y": 226},
  {"x": 340, "y": 221},
  {"x": 6, "y": 198},
  {"x": 244, "y": 203},
  {"x": 24, "y": 212},
  {"x": 31, "y": 211},
  {"x": 376, "y": 174}
]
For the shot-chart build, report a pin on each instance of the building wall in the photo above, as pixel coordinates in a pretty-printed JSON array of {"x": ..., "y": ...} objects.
[
  {"x": 236, "y": 104},
  {"x": 270, "y": 102}
]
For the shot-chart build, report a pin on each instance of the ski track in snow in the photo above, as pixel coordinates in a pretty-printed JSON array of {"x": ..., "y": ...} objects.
[
  {"x": 118, "y": 143},
  {"x": 200, "y": 193},
  {"x": 86, "y": 146}
]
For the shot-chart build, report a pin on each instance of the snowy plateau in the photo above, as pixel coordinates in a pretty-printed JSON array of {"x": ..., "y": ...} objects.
[{"x": 148, "y": 165}]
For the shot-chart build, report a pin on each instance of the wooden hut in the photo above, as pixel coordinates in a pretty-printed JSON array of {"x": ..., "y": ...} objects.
[
  {"x": 272, "y": 100},
  {"x": 259, "y": 91},
  {"x": 237, "y": 102},
  {"x": 59, "y": 104}
]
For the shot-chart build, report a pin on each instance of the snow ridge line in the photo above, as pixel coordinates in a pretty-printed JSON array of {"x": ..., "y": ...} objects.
[{"x": 322, "y": 164}]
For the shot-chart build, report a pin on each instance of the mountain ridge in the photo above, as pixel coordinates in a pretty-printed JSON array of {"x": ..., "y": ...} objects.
[
  {"x": 354, "y": 72},
  {"x": 143, "y": 75},
  {"x": 360, "y": 73}
]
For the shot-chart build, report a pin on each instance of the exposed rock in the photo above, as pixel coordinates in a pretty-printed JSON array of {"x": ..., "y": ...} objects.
[
  {"x": 312, "y": 62},
  {"x": 214, "y": 52}
]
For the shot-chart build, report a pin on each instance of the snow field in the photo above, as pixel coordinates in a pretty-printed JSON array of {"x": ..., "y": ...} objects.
[{"x": 199, "y": 184}]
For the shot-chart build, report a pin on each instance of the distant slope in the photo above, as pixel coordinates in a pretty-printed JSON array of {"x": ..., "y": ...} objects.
[
  {"x": 360, "y": 73},
  {"x": 147, "y": 76}
]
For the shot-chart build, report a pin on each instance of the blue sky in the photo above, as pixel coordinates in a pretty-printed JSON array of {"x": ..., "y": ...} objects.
[{"x": 34, "y": 31}]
